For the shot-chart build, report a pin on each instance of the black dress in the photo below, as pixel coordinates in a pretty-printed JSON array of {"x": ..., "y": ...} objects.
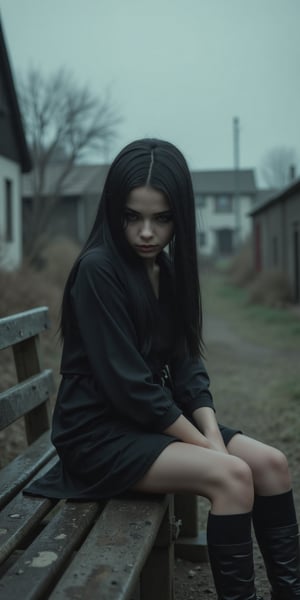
[{"x": 113, "y": 405}]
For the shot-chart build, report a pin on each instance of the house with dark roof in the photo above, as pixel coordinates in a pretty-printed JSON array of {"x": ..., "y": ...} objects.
[
  {"x": 276, "y": 228},
  {"x": 70, "y": 210},
  {"x": 14, "y": 160},
  {"x": 223, "y": 199}
]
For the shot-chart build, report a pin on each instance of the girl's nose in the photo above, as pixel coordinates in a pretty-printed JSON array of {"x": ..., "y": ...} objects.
[{"x": 146, "y": 231}]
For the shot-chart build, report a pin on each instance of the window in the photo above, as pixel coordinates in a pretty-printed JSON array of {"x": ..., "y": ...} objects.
[
  {"x": 223, "y": 204},
  {"x": 201, "y": 239},
  {"x": 200, "y": 200},
  {"x": 8, "y": 211}
]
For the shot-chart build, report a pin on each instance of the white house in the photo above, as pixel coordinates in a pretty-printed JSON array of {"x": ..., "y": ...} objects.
[
  {"x": 14, "y": 160},
  {"x": 224, "y": 199}
]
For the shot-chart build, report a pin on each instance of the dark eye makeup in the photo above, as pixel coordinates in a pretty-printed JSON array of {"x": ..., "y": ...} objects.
[
  {"x": 165, "y": 217},
  {"x": 131, "y": 216}
]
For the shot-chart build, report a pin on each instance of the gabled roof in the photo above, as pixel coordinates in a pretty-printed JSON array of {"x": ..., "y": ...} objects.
[
  {"x": 16, "y": 120},
  {"x": 223, "y": 181},
  {"x": 82, "y": 179},
  {"x": 277, "y": 197},
  {"x": 263, "y": 196}
]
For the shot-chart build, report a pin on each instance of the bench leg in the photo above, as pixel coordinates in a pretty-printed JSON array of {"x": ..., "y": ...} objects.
[
  {"x": 157, "y": 577},
  {"x": 191, "y": 544}
]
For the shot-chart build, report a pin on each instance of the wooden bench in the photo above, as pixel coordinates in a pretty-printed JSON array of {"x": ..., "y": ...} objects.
[{"x": 116, "y": 550}]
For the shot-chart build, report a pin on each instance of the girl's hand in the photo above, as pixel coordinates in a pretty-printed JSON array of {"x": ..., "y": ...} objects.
[
  {"x": 205, "y": 419},
  {"x": 187, "y": 432},
  {"x": 216, "y": 443}
]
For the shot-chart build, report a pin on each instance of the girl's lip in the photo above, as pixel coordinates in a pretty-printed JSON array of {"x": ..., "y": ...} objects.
[{"x": 147, "y": 248}]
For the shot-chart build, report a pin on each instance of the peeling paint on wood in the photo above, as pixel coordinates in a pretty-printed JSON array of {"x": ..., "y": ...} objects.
[{"x": 43, "y": 559}]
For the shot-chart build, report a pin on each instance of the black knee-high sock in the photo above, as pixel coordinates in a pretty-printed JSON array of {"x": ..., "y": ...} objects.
[
  {"x": 274, "y": 511},
  {"x": 228, "y": 529}
]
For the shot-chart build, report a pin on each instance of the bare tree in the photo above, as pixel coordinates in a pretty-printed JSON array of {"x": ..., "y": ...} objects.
[
  {"x": 63, "y": 122},
  {"x": 278, "y": 167}
]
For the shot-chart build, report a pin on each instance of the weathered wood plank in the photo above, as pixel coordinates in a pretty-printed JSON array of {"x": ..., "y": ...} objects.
[
  {"x": 27, "y": 357},
  {"x": 109, "y": 563},
  {"x": 28, "y": 362},
  {"x": 37, "y": 571},
  {"x": 21, "y": 326},
  {"x": 25, "y": 396},
  {"x": 20, "y": 517},
  {"x": 20, "y": 470}
]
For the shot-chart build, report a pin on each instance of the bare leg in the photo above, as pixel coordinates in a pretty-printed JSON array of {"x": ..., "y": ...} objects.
[
  {"x": 268, "y": 465},
  {"x": 225, "y": 480},
  {"x": 274, "y": 515}
]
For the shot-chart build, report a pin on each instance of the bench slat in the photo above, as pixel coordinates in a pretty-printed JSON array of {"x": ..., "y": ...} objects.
[
  {"x": 22, "y": 326},
  {"x": 109, "y": 563},
  {"x": 20, "y": 470},
  {"x": 20, "y": 516},
  {"x": 23, "y": 397},
  {"x": 37, "y": 570}
]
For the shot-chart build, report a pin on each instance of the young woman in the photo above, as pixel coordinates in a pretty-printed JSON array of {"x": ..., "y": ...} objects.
[{"x": 134, "y": 410}]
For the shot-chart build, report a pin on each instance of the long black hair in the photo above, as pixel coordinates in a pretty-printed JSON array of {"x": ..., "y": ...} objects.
[{"x": 162, "y": 166}]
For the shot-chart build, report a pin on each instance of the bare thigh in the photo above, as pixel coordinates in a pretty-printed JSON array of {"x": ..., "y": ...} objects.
[
  {"x": 268, "y": 465},
  {"x": 225, "y": 480}
]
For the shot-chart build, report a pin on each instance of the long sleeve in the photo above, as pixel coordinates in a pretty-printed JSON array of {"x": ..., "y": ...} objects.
[
  {"x": 190, "y": 384},
  {"x": 109, "y": 339}
]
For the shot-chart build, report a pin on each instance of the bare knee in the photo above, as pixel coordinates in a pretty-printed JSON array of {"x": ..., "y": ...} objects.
[
  {"x": 240, "y": 481},
  {"x": 278, "y": 463},
  {"x": 271, "y": 473},
  {"x": 235, "y": 493}
]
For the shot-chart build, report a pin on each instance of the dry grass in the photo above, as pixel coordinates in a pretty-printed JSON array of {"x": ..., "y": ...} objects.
[
  {"x": 241, "y": 269},
  {"x": 26, "y": 288},
  {"x": 22, "y": 290},
  {"x": 271, "y": 289}
]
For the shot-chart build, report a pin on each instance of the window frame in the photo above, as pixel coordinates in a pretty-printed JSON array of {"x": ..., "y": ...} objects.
[{"x": 228, "y": 208}]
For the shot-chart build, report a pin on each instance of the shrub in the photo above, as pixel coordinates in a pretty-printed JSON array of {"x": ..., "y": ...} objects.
[
  {"x": 270, "y": 288},
  {"x": 241, "y": 270}
]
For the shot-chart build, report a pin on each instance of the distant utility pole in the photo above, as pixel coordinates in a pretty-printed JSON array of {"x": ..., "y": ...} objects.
[{"x": 236, "y": 195}]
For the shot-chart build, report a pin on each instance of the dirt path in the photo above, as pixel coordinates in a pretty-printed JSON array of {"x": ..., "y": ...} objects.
[{"x": 255, "y": 388}]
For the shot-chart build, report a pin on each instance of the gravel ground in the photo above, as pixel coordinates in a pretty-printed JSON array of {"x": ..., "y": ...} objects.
[{"x": 255, "y": 388}]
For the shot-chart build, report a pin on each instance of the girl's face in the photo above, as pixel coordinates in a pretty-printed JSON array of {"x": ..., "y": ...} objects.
[{"x": 148, "y": 222}]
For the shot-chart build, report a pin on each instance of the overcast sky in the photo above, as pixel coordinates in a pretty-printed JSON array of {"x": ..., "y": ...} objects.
[{"x": 178, "y": 69}]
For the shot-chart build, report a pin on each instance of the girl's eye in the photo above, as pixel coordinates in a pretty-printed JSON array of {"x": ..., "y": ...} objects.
[
  {"x": 164, "y": 218},
  {"x": 130, "y": 217}
]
